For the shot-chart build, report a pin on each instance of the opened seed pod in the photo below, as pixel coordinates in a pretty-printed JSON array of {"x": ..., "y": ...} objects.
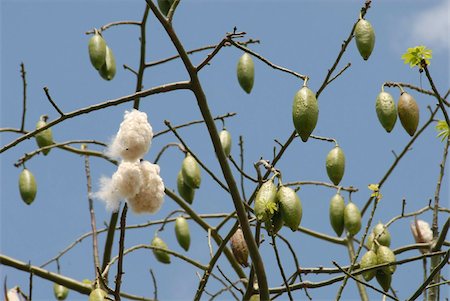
[
  {"x": 108, "y": 69},
  {"x": 352, "y": 218},
  {"x": 384, "y": 280},
  {"x": 368, "y": 260},
  {"x": 45, "y": 137},
  {"x": 225, "y": 141},
  {"x": 364, "y": 38},
  {"x": 160, "y": 255},
  {"x": 337, "y": 206},
  {"x": 191, "y": 172},
  {"x": 97, "y": 50},
  {"x": 274, "y": 224},
  {"x": 60, "y": 291},
  {"x": 265, "y": 201},
  {"x": 27, "y": 186},
  {"x": 385, "y": 255},
  {"x": 290, "y": 207},
  {"x": 246, "y": 72},
  {"x": 383, "y": 236},
  {"x": 386, "y": 111},
  {"x": 305, "y": 112},
  {"x": 186, "y": 192},
  {"x": 335, "y": 164},
  {"x": 408, "y": 112},
  {"x": 98, "y": 295},
  {"x": 182, "y": 232},
  {"x": 239, "y": 247}
]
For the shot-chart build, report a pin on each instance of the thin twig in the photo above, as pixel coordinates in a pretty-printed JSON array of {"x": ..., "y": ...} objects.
[
  {"x": 155, "y": 286},
  {"x": 165, "y": 147},
  {"x": 319, "y": 183},
  {"x": 436, "y": 92},
  {"x": 123, "y": 222},
  {"x": 106, "y": 26},
  {"x": 339, "y": 73},
  {"x": 280, "y": 266},
  {"x": 140, "y": 74},
  {"x": 47, "y": 93},
  {"x": 24, "y": 103},
  {"x": 243, "y": 174},
  {"x": 30, "y": 286},
  {"x": 172, "y": 9},
  {"x": 413, "y": 87}
]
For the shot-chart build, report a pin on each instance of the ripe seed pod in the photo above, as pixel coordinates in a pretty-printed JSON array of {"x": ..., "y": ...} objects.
[
  {"x": 27, "y": 186},
  {"x": 290, "y": 207},
  {"x": 265, "y": 201},
  {"x": 108, "y": 69},
  {"x": 182, "y": 232},
  {"x": 161, "y": 256},
  {"x": 408, "y": 112},
  {"x": 335, "y": 164},
  {"x": 246, "y": 72},
  {"x": 45, "y": 137},
  {"x": 164, "y": 6},
  {"x": 384, "y": 280},
  {"x": 305, "y": 112},
  {"x": 337, "y": 206},
  {"x": 60, "y": 291},
  {"x": 369, "y": 259},
  {"x": 369, "y": 243},
  {"x": 97, "y": 50},
  {"x": 225, "y": 140},
  {"x": 385, "y": 255},
  {"x": 352, "y": 218},
  {"x": 191, "y": 172},
  {"x": 186, "y": 192},
  {"x": 239, "y": 247},
  {"x": 364, "y": 38},
  {"x": 384, "y": 237},
  {"x": 97, "y": 295},
  {"x": 386, "y": 111}
]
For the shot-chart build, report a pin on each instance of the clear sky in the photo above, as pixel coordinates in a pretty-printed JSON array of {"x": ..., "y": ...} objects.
[{"x": 304, "y": 36}]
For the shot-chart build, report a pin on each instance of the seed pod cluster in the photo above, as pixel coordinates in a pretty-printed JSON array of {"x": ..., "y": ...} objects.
[
  {"x": 364, "y": 38},
  {"x": 160, "y": 255},
  {"x": 305, "y": 112},
  {"x": 337, "y": 206},
  {"x": 225, "y": 141},
  {"x": 60, "y": 291},
  {"x": 97, "y": 295},
  {"x": 352, "y": 218},
  {"x": 45, "y": 137},
  {"x": 182, "y": 232},
  {"x": 189, "y": 178},
  {"x": 101, "y": 56},
  {"x": 246, "y": 72},
  {"x": 239, "y": 247},
  {"x": 27, "y": 186},
  {"x": 335, "y": 165}
]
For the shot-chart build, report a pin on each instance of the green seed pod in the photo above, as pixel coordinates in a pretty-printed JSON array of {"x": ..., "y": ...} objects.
[
  {"x": 384, "y": 280},
  {"x": 108, "y": 69},
  {"x": 368, "y": 260},
  {"x": 408, "y": 112},
  {"x": 305, "y": 112},
  {"x": 369, "y": 243},
  {"x": 60, "y": 291},
  {"x": 265, "y": 201},
  {"x": 290, "y": 207},
  {"x": 386, "y": 110},
  {"x": 384, "y": 237},
  {"x": 365, "y": 38},
  {"x": 255, "y": 298},
  {"x": 27, "y": 186},
  {"x": 337, "y": 206},
  {"x": 225, "y": 140},
  {"x": 164, "y": 6},
  {"x": 191, "y": 172},
  {"x": 385, "y": 255},
  {"x": 335, "y": 164},
  {"x": 352, "y": 218},
  {"x": 97, "y": 50},
  {"x": 274, "y": 224},
  {"x": 161, "y": 256},
  {"x": 97, "y": 295},
  {"x": 246, "y": 72},
  {"x": 45, "y": 137},
  {"x": 182, "y": 233},
  {"x": 239, "y": 247},
  {"x": 186, "y": 192}
]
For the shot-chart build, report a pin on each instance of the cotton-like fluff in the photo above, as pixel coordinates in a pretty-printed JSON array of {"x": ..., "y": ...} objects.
[
  {"x": 151, "y": 196},
  {"x": 134, "y": 137},
  {"x": 421, "y": 232}
]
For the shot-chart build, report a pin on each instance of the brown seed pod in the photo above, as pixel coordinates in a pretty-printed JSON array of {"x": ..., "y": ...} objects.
[
  {"x": 408, "y": 112},
  {"x": 239, "y": 247}
]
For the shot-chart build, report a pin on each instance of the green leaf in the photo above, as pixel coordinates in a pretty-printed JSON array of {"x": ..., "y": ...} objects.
[
  {"x": 443, "y": 129},
  {"x": 413, "y": 56}
]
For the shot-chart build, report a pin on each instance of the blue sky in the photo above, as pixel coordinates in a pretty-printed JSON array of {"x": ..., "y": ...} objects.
[{"x": 304, "y": 36}]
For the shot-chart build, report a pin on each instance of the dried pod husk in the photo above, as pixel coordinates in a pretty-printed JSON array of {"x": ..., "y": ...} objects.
[
  {"x": 27, "y": 186},
  {"x": 191, "y": 172},
  {"x": 265, "y": 201},
  {"x": 352, "y": 218},
  {"x": 97, "y": 50},
  {"x": 408, "y": 112},
  {"x": 337, "y": 206},
  {"x": 246, "y": 72},
  {"x": 97, "y": 295},
  {"x": 335, "y": 164},
  {"x": 14, "y": 294},
  {"x": 290, "y": 207},
  {"x": 182, "y": 232},
  {"x": 305, "y": 112},
  {"x": 186, "y": 192},
  {"x": 45, "y": 137},
  {"x": 108, "y": 69},
  {"x": 384, "y": 280},
  {"x": 385, "y": 255},
  {"x": 386, "y": 111},
  {"x": 368, "y": 260},
  {"x": 164, "y": 6},
  {"x": 160, "y": 255},
  {"x": 225, "y": 141},
  {"x": 60, "y": 291},
  {"x": 364, "y": 38},
  {"x": 382, "y": 235},
  {"x": 274, "y": 224},
  {"x": 239, "y": 247}
]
